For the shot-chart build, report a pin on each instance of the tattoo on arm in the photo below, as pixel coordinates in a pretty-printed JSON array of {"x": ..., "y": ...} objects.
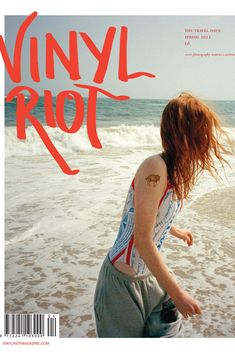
[{"x": 152, "y": 179}]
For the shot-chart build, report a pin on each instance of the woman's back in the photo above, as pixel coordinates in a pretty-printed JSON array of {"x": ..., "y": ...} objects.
[{"x": 124, "y": 250}]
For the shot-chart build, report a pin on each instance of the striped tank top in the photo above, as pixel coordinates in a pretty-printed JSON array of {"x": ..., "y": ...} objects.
[{"x": 124, "y": 249}]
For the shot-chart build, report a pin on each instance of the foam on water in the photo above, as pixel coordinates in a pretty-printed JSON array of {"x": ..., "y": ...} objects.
[
  {"x": 206, "y": 269},
  {"x": 59, "y": 227},
  {"x": 122, "y": 136}
]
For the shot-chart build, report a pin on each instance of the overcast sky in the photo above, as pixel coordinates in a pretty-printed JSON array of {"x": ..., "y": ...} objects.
[{"x": 156, "y": 44}]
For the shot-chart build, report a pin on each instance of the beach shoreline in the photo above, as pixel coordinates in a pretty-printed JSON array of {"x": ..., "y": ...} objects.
[{"x": 58, "y": 233}]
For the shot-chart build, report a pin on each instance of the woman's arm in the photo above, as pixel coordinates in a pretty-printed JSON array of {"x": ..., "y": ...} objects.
[{"x": 150, "y": 183}]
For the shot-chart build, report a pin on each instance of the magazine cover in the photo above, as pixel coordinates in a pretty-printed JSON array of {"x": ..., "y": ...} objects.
[{"x": 119, "y": 176}]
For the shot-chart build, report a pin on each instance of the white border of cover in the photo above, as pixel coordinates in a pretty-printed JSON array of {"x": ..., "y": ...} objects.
[{"x": 105, "y": 7}]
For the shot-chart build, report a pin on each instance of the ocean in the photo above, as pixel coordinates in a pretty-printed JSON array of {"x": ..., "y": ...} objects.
[{"x": 58, "y": 228}]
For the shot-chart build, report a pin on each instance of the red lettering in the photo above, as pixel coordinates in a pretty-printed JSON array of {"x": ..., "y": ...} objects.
[
  {"x": 55, "y": 117},
  {"x": 70, "y": 64},
  {"x": 23, "y": 112},
  {"x": 103, "y": 56},
  {"x": 23, "y": 109},
  {"x": 91, "y": 111},
  {"x": 49, "y": 113},
  {"x": 78, "y": 119},
  {"x": 122, "y": 70},
  {"x": 34, "y": 70},
  {"x": 14, "y": 70}
]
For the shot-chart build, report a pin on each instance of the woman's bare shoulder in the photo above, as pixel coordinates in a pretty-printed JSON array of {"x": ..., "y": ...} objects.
[
  {"x": 154, "y": 164},
  {"x": 152, "y": 172},
  {"x": 152, "y": 168}
]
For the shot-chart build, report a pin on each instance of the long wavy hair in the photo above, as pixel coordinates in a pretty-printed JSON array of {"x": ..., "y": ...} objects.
[{"x": 192, "y": 135}]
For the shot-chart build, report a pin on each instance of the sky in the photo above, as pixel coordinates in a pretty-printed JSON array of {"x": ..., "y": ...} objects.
[{"x": 156, "y": 44}]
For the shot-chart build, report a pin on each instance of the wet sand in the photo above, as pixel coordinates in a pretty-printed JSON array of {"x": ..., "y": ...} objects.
[{"x": 53, "y": 251}]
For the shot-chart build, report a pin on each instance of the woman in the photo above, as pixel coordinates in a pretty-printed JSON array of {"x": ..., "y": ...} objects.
[{"x": 136, "y": 295}]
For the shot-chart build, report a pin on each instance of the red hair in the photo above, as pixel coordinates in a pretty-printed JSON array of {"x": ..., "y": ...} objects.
[{"x": 191, "y": 132}]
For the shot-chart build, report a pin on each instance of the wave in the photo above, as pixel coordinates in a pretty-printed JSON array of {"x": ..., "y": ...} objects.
[{"x": 122, "y": 136}]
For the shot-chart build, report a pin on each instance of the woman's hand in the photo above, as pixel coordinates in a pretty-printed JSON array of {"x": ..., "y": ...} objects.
[
  {"x": 186, "y": 236},
  {"x": 186, "y": 305},
  {"x": 182, "y": 234}
]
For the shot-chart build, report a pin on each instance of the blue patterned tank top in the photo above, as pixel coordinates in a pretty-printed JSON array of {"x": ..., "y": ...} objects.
[{"x": 124, "y": 248}]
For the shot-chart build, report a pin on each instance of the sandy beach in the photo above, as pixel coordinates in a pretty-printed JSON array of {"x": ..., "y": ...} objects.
[{"x": 59, "y": 229}]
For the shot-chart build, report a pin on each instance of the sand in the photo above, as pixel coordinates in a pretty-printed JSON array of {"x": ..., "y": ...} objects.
[{"x": 59, "y": 229}]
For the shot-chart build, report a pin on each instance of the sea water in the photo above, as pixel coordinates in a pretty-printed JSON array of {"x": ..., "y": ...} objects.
[{"x": 59, "y": 227}]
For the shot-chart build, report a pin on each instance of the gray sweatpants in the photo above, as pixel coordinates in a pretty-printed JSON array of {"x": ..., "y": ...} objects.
[{"x": 133, "y": 306}]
